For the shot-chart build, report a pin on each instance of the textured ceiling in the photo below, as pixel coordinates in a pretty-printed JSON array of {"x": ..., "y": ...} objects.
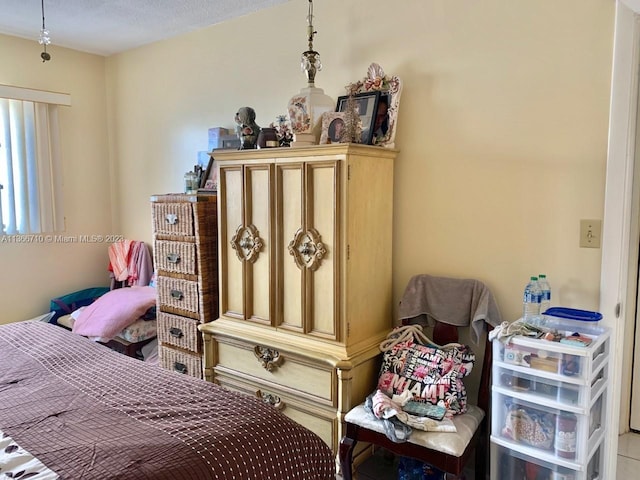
[{"x": 106, "y": 27}]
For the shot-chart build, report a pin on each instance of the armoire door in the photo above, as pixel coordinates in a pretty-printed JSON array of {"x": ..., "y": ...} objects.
[
  {"x": 308, "y": 218},
  {"x": 246, "y": 241}
]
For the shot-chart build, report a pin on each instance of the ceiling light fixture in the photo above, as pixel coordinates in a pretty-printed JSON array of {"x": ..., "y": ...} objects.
[{"x": 45, "y": 39}]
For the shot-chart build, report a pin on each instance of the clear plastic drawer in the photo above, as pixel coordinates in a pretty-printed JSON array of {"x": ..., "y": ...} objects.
[
  {"x": 552, "y": 359},
  {"x": 550, "y": 391},
  {"x": 509, "y": 465},
  {"x": 555, "y": 435}
]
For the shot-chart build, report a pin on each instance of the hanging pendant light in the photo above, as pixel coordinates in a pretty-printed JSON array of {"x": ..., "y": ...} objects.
[
  {"x": 306, "y": 108},
  {"x": 44, "y": 39}
]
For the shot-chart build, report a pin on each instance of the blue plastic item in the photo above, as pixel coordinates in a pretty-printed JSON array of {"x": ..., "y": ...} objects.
[
  {"x": 574, "y": 314},
  {"x": 72, "y": 301}
]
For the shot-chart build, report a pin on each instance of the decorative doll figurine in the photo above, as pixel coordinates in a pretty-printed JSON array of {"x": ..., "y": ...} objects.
[{"x": 246, "y": 128}]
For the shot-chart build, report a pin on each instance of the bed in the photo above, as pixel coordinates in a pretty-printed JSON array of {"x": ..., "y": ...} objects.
[{"x": 71, "y": 408}]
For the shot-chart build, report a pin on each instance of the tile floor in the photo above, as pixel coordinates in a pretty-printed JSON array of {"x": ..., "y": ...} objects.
[{"x": 628, "y": 456}]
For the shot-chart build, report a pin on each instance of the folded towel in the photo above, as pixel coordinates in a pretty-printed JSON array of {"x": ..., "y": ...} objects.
[{"x": 459, "y": 302}]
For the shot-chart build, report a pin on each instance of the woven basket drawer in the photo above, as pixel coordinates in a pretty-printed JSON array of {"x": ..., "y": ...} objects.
[
  {"x": 181, "y": 362},
  {"x": 178, "y": 293},
  {"x": 176, "y": 257},
  {"x": 179, "y": 331},
  {"x": 173, "y": 218}
]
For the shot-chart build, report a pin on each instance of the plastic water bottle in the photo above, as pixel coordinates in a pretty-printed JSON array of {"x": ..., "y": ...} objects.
[
  {"x": 531, "y": 300},
  {"x": 545, "y": 289}
]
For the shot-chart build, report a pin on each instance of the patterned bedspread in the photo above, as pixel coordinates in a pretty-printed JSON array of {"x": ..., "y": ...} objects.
[{"x": 86, "y": 412}]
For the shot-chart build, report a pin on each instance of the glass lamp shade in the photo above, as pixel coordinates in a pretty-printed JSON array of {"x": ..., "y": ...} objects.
[{"x": 305, "y": 113}]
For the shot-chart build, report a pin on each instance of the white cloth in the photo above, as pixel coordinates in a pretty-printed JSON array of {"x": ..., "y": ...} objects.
[
  {"x": 385, "y": 408},
  {"x": 450, "y": 443}
]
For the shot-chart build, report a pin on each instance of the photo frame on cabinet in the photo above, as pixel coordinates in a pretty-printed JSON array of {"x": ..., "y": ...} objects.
[
  {"x": 333, "y": 126},
  {"x": 209, "y": 181},
  {"x": 366, "y": 106},
  {"x": 390, "y": 88}
]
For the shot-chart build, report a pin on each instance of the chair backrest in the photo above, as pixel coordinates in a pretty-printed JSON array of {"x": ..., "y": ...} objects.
[{"x": 460, "y": 301}]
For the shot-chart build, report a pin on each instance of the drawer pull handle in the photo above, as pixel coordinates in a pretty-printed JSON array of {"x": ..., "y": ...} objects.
[
  {"x": 173, "y": 258},
  {"x": 176, "y": 332},
  {"x": 177, "y": 294},
  {"x": 171, "y": 218},
  {"x": 270, "y": 399},
  {"x": 180, "y": 367},
  {"x": 269, "y": 358}
]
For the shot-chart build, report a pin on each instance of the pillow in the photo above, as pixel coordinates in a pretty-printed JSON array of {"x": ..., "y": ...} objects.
[{"x": 114, "y": 311}]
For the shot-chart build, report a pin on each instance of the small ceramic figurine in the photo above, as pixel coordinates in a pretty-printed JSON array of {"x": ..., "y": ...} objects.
[{"x": 246, "y": 128}]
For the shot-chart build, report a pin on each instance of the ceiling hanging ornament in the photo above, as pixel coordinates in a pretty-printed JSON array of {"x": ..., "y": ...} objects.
[
  {"x": 306, "y": 108},
  {"x": 44, "y": 39}
]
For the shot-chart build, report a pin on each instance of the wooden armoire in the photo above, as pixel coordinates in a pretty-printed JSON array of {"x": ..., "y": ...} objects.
[{"x": 305, "y": 276}]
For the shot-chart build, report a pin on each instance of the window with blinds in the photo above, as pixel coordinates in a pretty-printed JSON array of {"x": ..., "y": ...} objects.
[{"x": 30, "y": 163}]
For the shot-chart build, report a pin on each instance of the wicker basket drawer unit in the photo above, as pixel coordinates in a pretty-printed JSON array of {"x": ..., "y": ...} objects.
[
  {"x": 176, "y": 295},
  {"x": 178, "y": 331},
  {"x": 176, "y": 257},
  {"x": 173, "y": 219},
  {"x": 181, "y": 361},
  {"x": 185, "y": 257}
]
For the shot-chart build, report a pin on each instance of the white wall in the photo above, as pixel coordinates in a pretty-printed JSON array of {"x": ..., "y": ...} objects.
[{"x": 502, "y": 127}]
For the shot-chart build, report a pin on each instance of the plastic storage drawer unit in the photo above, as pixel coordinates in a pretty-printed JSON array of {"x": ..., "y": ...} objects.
[{"x": 549, "y": 405}]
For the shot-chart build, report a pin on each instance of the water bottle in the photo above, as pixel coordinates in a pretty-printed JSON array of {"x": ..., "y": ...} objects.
[
  {"x": 531, "y": 300},
  {"x": 545, "y": 289}
]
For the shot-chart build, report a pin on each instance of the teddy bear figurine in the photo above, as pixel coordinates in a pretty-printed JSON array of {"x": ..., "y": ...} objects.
[{"x": 246, "y": 128}]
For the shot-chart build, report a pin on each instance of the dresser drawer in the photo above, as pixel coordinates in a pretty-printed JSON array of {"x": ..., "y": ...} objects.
[
  {"x": 299, "y": 376},
  {"x": 321, "y": 421},
  {"x": 176, "y": 257},
  {"x": 180, "y": 361},
  {"x": 179, "y": 294},
  {"x": 179, "y": 331},
  {"x": 172, "y": 218}
]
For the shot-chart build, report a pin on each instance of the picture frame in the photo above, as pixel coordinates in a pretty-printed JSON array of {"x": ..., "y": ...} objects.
[
  {"x": 331, "y": 123},
  {"x": 209, "y": 181},
  {"x": 366, "y": 107},
  {"x": 205, "y": 162},
  {"x": 390, "y": 88}
]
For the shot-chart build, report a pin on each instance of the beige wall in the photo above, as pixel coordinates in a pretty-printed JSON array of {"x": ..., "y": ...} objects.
[
  {"x": 502, "y": 131},
  {"x": 31, "y": 274},
  {"x": 502, "y": 127}
]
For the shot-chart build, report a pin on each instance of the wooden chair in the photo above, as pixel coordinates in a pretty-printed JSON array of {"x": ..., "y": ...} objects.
[{"x": 448, "y": 452}]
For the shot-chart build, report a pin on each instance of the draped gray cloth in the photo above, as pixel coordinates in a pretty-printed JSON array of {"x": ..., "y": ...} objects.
[{"x": 459, "y": 302}]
